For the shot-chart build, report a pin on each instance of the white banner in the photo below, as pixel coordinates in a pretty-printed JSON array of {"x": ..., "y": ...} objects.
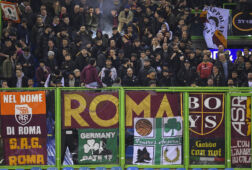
[
  {"x": 215, "y": 26},
  {"x": 158, "y": 141},
  {"x": 10, "y": 11}
]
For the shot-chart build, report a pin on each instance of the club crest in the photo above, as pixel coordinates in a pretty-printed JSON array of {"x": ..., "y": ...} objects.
[{"x": 23, "y": 114}]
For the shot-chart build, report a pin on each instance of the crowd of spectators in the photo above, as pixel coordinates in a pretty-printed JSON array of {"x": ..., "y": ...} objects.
[{"x": 99, "y": 43}]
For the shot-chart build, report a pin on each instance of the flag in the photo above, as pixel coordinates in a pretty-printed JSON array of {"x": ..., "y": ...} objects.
[
  {"x": 23, "y": 128},
  {"x": 157, "y": 141},
  {"x": 97, "y": 146},
  {"x": 10, "y": 11},
  {"x": 215, "y": 22}
]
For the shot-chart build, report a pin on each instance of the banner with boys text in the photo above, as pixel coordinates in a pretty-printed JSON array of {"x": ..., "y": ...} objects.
[{"x": 207, "y": 128}]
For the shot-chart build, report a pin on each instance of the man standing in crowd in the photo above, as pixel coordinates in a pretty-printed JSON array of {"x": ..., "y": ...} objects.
[
  {"x": 125, "y": 17},
  {"x": 42, "y": 73},
  {"x": 204, "y": 70},
  {"x": 20, "y": 80},
  {"x": 248, "y": 83},
  {"x": 89, "y": 75},
  {"x": 225, "y": 66}
]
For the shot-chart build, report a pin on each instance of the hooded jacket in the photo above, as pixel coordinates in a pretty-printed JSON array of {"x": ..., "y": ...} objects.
[{"x": 89, "y": 74}]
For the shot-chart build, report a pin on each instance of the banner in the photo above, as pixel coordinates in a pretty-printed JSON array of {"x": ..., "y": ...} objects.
[
  {"x": 13, "y": 128},
  {"x": 207, "y": 129},
  {"x": 25, "y": 151},
  {"x": 242, "y": 23},
  {"x": 1, "y": 146},
  {"x": 215, "y": 22},
  {"x": 10, "y": 11},
  {"x": 157, "y": 141},
  {"x": 150, "y": 104},
  {"x": 232, "y": 53},
  {"x": 89, "y": 109},
  {"x": 97, "y": 146},
  {"x": 23, "y": 127},
  {"x": 241, "y": 132}
]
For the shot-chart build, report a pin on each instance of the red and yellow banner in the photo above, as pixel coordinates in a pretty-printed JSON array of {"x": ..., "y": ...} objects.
[
  {"x": 241, "y": 132},
  {"x": 150, "y": 104},
  {"x": 207, "y": 128},
  {"x": 25, "y": 151},
  {"x": 23, "y": 127},
  {"x": 90, "y": 110}
]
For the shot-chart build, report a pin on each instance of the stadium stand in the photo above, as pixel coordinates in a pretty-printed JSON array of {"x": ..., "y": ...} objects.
[{"x": 134, "y": 43}]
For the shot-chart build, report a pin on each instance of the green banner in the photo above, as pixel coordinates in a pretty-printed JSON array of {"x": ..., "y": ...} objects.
[
  {"x": 97, "y": 146},
  {"x": 157, "y": 141}
]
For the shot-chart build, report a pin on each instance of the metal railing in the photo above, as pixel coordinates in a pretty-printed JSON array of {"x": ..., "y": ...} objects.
[{"x": 229, "y": 92}]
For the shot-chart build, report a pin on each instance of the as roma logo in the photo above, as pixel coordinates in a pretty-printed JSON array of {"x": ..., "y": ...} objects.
[
  {"x": 23, "y": 114},
  {"x": 206, "y": 112}
]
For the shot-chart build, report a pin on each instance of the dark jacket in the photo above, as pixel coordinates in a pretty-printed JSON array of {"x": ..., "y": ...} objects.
[
  {"x": 142, "y": 76},
  {"x": 130, "y": 81},
  {"x": 218, "y": 80},
  {"x": 23, "y": 34},
  {"x": 13, "y": 82},
  {"x": 122, "y": 71},
  {"x": 52, "y": 64},
  {"x": 185, "y": 77},
  {"x": 27, "y": 64},
  {"x": 67, "y": 67},
  {"x": 41, "y": 75},
  {"x": 76, "y": 20},
  {"x": 229, "y": 64},
  {"x": 237, "y": 82},
  {"x": 8, "y": 68},
  {"x": 81, "y": 61},
  {"x": 166, "y": 81},
  {"x": 76, "y": 82}
]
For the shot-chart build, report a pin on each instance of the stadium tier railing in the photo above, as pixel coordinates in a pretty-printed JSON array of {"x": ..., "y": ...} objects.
[{"x": 228, "y": 91}]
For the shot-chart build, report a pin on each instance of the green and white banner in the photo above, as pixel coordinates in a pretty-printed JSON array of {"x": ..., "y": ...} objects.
[
  {"x": 97, "y": 146},
  {"x": 158, "y": 141}
]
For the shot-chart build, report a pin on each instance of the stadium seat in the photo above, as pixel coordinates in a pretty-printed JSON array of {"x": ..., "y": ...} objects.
[
  {"x": 132, "y": 168},
  {"x": 84, "y": 168},
  {"x": 116, "y": 168},
  {"x": 68, "y": 168},
  {"x": 100, "y": 168},
  {"x": 52, "y": 168},
  {"x": 129, "y": 151},
  {"x": 36, "y": 168}
]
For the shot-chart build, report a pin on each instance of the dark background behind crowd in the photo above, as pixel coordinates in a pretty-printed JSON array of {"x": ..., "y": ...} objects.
[{"x": 99, "y": 43}]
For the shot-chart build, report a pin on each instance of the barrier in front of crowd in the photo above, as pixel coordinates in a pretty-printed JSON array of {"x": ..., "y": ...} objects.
[{"x": 176, "y": 127}]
